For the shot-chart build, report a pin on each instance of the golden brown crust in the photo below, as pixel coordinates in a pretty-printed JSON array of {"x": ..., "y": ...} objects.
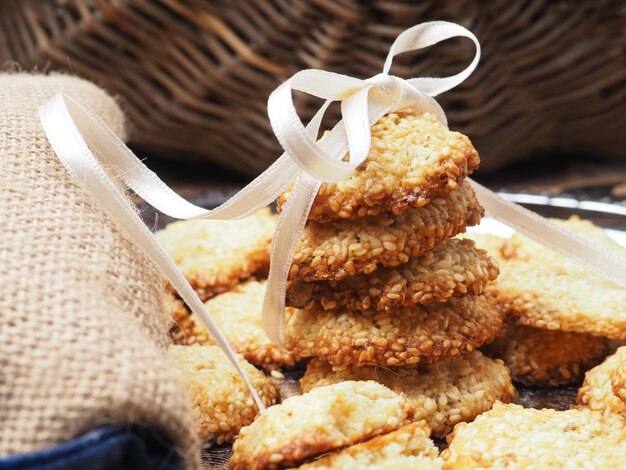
[
  {"x": 238, "y": 314},
  {"x": 344, "y": 248},
  {"x": 443, "y": 393},
  {"x": 618, "y": 374},
  {"x": 406, "y": 336},
  {"x": 325, "y": 419},
  {"x": 215, "y": 255},
  {"x": 596, "y": 392},
  {"x": 450, "y": 270},
  {"x": 408, "y": 447},
  {"x": 222, "y": 404},
  {"x": 544, "y": 357},
  {"x": 543, "y": 289},
  {"x": 512, "y": 437},
  {"x": 410, "y": 156}
]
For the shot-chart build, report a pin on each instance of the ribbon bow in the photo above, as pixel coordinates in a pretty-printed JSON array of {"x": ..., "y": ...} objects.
[{"x": 69, "y": 125}]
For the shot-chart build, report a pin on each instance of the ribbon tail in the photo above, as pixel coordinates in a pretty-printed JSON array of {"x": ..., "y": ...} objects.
[
  {"x": 286, "y": 238},
  {"x": 587, "y": 254},
  {"x": 354, "y": 111}
]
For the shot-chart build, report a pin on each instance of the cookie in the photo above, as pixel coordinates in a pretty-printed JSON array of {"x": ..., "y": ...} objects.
[
  {"x": 238, "y": 315},
  {"x": 453, "y": 269},
  {"x": 406, "y": 336},
  {"x": 443, "y": 393},
  {"x": 343, "y": 248},
  {"x": 544, "y": 289},
  {"x": 596, "y": 392},
  {"x": 618, "y": 374},
  {"x": 408, "y": 447},
  {"x": 544, "y": 357},
  {"x": 215, "y": 255},
  {"x": 323, "y": 420},
  {"x": 410, "y": 156},
  {"x": 222, "y": 404},
  {"x": 510, "y": 436}
]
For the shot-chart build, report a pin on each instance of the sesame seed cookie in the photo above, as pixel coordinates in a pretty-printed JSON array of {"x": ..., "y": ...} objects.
[
  {"x": 544, "y": 289},
  {"x": 215, "y": 255},
  {"x": 510, "y": 436},
  {"x": 410, "y": 156},
  {"x": 407, "y": 336},
  {"x": 408, "y": 447},
  {"x": 544, "y": 357},
  {"x": 618, "y": 374},
  {"x": 238, "y": 315},
  {"x": 596, "y": 392},
  {"x": 222, "y": 404},
  {"x": 325, "y": 419},
  {"x": 453, "y": 269},
  {"x": 344, "y": 248},
  {"x": 443, "y": 393}
]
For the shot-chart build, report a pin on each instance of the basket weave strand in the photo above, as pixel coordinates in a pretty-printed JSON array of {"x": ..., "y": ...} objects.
[{"x": 195, "y": 75}]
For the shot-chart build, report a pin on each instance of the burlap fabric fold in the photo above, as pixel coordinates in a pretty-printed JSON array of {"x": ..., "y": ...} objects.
[{"x": 82, "y": 313}]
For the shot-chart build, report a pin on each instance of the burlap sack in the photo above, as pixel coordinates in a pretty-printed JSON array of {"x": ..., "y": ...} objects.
[{"x": 82, "y": 320}]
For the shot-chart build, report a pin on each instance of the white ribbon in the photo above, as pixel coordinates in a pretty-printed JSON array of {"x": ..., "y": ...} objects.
[{"x": 69, "y": 125}]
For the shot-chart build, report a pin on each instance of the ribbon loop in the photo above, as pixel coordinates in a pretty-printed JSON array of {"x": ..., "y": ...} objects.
[{"x": 428, "y": 34}]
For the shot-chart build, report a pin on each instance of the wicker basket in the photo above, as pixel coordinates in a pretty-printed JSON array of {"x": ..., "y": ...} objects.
[{"x": 194, "y": 76}]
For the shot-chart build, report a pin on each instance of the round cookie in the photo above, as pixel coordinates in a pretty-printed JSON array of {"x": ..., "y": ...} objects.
[
  {"x": 238, "y": 315},
  {"x": 443, "y": 393},
  {"x": 543, "y": 289},
  {"x": 215, "y": 255},
  {"x": 410, "y": 156},
  {"x": 404, "y": 337},
  {"x": 325, "y": 419},
  {"x": 596, "y": 392},
  {"x": 450, "y": 270},
  {"x": 343, "y": 248},
  {"x": 408, "y": 447},
  {"x": 510, "y": 436},
  {"x": 544, "y": 357},
  {"x": 222, "y": 404}
]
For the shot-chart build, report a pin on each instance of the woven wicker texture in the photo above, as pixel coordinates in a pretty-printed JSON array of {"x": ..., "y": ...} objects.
[
  {"x": 82, "y": 312},
  {"x": 195, "y": 75}
]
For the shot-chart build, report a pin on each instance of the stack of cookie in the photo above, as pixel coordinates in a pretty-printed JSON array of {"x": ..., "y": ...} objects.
[{"x": 378, "y": 280}]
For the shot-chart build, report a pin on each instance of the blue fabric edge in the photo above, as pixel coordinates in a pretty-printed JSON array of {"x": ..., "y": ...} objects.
[{"x": 109, "y": 447}]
